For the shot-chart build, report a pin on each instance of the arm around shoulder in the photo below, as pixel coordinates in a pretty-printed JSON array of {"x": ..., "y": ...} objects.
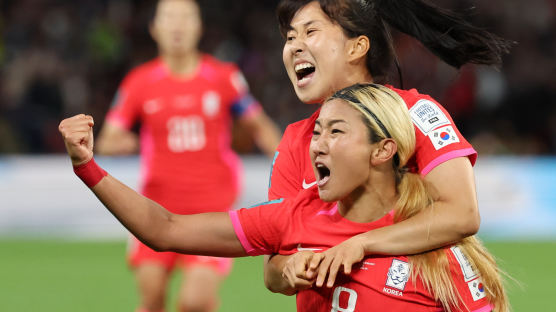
[
  {"x": 453, "y": 216},
  {"x": 454, "y": 184}
]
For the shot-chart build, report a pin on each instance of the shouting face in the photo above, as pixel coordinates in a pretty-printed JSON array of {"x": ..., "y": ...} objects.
[
  {"x": 340, "y": 151},
  {"x": 315, "y": 54}
]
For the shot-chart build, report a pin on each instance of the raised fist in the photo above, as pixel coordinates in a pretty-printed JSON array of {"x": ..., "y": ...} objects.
[{"x": 77, "y": 132}]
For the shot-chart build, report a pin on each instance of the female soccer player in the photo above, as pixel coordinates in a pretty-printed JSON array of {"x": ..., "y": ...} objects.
[
  {"x": 184, "y": 102},
  {"x": 333, "y": 44},
  {"x": 362, "y": 141}
]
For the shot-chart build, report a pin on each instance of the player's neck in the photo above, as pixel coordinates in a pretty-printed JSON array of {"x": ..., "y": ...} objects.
[
  {"x": 370, "y": 202},
  {"x": 351, "y": 76},
  {"x": 182, "y": 65},
  {"x": 356, "y": 74}
]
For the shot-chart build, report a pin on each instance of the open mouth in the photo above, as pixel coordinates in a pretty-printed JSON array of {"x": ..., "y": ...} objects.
[
  {"x": 323, "y": 174},
  {"x": 303, "y": 71}
]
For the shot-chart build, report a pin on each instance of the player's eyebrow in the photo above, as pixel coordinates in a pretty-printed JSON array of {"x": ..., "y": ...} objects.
[{"x": 329, "y": 123}]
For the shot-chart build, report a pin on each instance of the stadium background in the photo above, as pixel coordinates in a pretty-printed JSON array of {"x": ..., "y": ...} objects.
[{"x": 60, "y": 251}]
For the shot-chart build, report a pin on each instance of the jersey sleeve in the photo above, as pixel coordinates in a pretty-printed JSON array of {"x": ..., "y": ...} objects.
[
  {"x": 437, "y": 137},
  {"x": 244, "y": 104},
  {"x": 284, "y": 173},
  {"x": 126, "y": 105},
  {"x": 260, "y": 228},
  {"x": 468, "y": 283}
]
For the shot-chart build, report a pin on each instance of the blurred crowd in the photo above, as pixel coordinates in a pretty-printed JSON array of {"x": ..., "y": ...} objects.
[{"x": 60, "y": 58}]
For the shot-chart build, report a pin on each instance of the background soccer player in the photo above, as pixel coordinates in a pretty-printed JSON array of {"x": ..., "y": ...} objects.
[
  {"x": 362, "y": 141},
  {"x": 185, "y": 102}
]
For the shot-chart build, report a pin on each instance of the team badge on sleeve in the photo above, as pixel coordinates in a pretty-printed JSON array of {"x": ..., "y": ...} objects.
[
  {"x": 426, "y": 115},
  {"x": 442, "y": 137},
  {"x": 398, "y": 274},
  {"x": 477, "y": 289}
]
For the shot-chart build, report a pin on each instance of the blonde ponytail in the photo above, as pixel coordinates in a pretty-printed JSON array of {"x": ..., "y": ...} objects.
[
  {"x": 386, "y": 116},
  {"x": 433, "y": 267}
]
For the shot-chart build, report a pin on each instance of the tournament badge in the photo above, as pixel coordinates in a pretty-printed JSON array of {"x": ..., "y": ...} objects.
[
  {"x": 426, "y": 115},
  {"x": 466, "y": 268}
]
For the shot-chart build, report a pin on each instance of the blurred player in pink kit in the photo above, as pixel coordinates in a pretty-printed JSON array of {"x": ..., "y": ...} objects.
[
  {"x": 185, "y": 102},
  {"x": 361, "y": 143}
]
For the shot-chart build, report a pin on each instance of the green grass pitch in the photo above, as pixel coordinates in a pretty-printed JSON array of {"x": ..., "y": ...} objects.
[{"x": 49, "y": 275}]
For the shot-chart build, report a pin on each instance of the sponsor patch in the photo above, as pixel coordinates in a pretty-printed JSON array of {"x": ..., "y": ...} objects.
[
  {"x": 426, "y": 115},
  {"x": 442, "y": 137},
  {"x": 477, "y": 289},
  {"x": 211, "y": 103},
  {"x": 466, "y": 268},
  {"x": 365, "y": 265},
  {"x": 398, "y": 274}
]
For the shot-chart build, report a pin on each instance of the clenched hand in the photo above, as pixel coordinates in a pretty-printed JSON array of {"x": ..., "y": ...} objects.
[{"x": 77, "y": 132}]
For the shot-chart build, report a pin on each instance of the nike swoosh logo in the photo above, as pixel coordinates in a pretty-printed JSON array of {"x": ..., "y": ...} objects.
[
  {"x": 306, "y": 186},
  {"x": 299, "y": 248}
]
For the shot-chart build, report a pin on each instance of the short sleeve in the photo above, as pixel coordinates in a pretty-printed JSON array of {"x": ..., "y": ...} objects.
[
  {"x": 284, "y": 173},
  {"x": 437, "y": 137},
  {"x": 260, "y": 229},
  {"x": 126, "y": 105}
]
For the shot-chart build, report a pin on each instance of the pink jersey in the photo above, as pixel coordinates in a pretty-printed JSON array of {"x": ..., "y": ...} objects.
[
  {"x": 378, "y": 283},
  {"x": 187, "y": 163},
  {"x": 437, "y": 140}
]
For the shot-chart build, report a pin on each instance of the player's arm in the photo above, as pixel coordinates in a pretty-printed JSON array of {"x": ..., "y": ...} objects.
[
  {"x": 115, "y": 140},
  {"x": 284, "y": 183},
  {"x": 205, "y": 234},
  {"x": 286, "y": 274},
  {"x": 453, "y": 216},
  {"x": 263, "y": 130}
]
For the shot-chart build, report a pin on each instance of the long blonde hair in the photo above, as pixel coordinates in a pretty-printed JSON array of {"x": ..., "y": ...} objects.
[{"x": 386, "y": 116}]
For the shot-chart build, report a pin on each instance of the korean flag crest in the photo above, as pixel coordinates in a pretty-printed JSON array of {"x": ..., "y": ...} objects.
[{"x": 443, "y": 136}]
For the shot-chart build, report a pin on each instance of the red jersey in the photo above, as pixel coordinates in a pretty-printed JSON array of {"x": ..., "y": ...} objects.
[
  {"x": 185, "y": 132},
  {"x": 378, "y": 283},
  {"x": 437, "y": 140}
]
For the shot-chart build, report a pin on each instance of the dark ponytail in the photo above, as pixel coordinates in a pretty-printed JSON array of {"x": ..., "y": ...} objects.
[{"x": 443, "y": 32}]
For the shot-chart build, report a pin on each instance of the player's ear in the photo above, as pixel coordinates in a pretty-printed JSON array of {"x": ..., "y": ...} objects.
[
  {"x": 358, "y": 48},
  {"x": 383, "y": 151}
]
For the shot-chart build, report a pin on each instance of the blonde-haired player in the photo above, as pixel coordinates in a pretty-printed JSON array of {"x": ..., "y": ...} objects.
[{"x": 362, "y": 140}]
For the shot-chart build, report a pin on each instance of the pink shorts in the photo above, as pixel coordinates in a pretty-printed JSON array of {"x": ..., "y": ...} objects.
[{"x": 139, "y": 253}]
